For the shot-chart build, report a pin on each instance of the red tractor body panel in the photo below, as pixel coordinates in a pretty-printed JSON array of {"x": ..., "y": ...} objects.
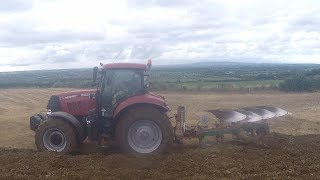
[
  {"x": 149, "y": 98},
  {"x": 77, "y": 103}
]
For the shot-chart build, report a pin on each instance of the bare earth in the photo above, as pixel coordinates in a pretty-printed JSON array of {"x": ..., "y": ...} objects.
[{"x": 291, "y": 152}]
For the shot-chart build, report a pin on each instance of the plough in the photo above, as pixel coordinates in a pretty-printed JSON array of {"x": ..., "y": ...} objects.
[{"x": 244, "y": 123}]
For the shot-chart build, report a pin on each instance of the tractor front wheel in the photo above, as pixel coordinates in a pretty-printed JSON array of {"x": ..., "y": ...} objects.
[
  {"x": 144, "y": 131},
  {"x": 55, "y": 135}
]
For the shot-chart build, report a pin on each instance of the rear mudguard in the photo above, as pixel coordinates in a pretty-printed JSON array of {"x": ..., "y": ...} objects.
[
  {"x": 145, "y": 99},
  {"x": 80, "y": 131}
]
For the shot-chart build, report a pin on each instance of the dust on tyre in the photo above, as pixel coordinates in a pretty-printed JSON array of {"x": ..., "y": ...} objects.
[
  {"x": 56, "y": 135},
  {"x": 144, "y": 131}
]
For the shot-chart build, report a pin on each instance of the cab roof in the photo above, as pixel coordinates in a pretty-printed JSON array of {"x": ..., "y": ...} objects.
[{"x": 125, "y": 66}]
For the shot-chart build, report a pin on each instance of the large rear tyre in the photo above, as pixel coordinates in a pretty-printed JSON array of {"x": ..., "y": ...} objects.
[
  {"x": 144, "y": 131},
  {"x": 55, "y": 135}
]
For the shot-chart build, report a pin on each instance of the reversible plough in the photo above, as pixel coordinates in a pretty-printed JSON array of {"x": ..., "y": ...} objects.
[{"x": 244, "y": 123}]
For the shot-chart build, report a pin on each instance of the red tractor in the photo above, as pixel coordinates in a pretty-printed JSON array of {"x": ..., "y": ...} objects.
[{"x": 120, "y": 110}]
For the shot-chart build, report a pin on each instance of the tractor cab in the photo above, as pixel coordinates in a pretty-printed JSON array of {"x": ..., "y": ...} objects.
[{"x": 117, "y": 82}]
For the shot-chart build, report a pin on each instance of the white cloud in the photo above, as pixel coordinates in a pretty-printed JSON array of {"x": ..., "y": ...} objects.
[
  {"x": 55, "y": 33},
  {"x": 15, "y": 5}
]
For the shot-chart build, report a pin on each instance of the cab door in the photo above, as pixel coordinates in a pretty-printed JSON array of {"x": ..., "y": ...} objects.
[{"x": 119, "y": 85}]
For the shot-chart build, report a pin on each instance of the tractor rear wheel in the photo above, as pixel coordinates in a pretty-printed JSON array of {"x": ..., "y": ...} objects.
[
  {"x": 144, "y": 131},
  {"x": 55, "y": 135}
]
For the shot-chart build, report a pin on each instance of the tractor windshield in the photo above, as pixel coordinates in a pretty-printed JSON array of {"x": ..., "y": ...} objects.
[
  {"x": 119, "y": 85},
  {"x": 126, "y": 80}
]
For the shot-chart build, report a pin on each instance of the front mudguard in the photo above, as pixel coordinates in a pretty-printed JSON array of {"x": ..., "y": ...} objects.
[{"x": 36, "y": 120}]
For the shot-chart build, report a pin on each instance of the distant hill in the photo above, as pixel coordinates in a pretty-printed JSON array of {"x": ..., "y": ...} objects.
[
  {"x": 193, "y": 76},
  {"x": 235, "y": 64}
]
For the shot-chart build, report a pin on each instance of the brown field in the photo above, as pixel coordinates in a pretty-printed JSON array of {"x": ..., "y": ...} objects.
[{"x": 291, "y": 152}]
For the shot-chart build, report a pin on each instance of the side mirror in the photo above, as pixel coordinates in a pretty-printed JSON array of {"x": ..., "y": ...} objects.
[{"x": 95, "y": 74}]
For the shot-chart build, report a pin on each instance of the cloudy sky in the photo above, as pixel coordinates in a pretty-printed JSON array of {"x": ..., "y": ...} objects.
[{"x": 49, "y": 34}]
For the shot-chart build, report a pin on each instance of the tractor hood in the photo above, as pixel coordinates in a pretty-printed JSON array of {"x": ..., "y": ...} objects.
[{"x": 77, "y": 103}]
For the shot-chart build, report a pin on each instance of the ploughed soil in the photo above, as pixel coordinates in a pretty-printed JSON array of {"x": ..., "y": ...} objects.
[
  {"x": 276, "y": 156},
  {"x": 291, "y": 151}
]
